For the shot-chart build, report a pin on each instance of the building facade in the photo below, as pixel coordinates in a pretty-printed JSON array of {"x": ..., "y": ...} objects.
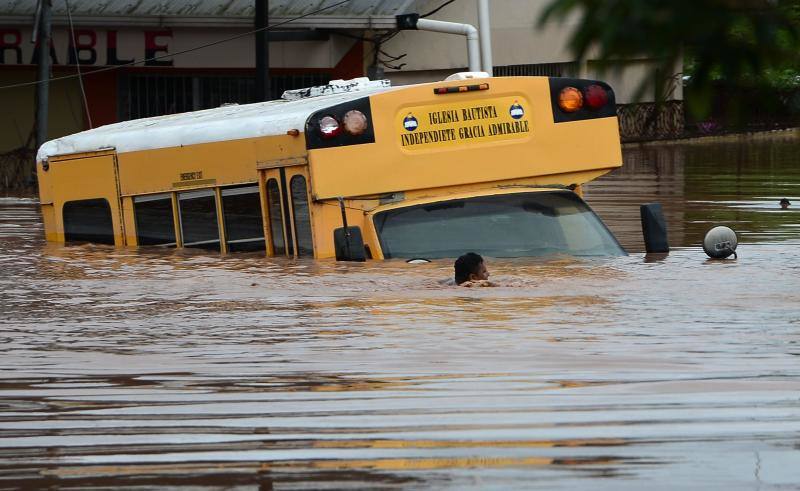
[
  {"x": 167, "y": 57},
  {"x": 178, "y": 65},
  {"x": 520, "y": 46}
]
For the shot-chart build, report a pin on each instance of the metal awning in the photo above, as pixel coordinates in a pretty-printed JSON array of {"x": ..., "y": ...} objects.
[{"x": 355, "y": 14}]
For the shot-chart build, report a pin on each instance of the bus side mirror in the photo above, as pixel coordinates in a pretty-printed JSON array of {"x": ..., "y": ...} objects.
[
  {"x": 349, "y": 244},
  {"x": 654, "y": 228}
]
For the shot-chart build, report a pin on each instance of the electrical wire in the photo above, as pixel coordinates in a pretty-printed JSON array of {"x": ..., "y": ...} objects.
[
  {"x": 78, "y": 65},
  {"x": 188, "y": 50},
  {"x": 377, "y": 51},
  {"x": 392, "y": 58},
  {"x": 36, "y": 21}
]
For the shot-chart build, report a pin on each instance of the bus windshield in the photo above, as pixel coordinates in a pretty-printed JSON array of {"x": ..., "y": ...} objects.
[{"x": 506, "y": 225}]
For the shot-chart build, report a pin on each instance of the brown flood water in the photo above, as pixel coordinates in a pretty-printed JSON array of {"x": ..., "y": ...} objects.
[{"x": 161, "y": 369}]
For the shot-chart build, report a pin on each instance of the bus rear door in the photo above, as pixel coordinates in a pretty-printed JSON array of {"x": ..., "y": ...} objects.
[
  {"x": 84, "y": 206},
  {"x": 286, "y": 203}
]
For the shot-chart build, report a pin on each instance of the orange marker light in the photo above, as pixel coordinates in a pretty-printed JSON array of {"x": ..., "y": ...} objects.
[
  {"x": 460, "y": 88},
  {"x": 570, "y": 99}
]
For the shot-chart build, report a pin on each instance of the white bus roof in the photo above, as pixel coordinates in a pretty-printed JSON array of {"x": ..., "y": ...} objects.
[{"x": 230, "y": 122}]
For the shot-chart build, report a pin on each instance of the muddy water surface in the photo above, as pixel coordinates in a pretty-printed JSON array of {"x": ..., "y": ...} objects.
[{"x": 157, "y": 369}]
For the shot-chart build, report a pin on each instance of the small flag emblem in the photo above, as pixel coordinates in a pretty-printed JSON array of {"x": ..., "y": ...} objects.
[
  {"x": 516, "y": 111},
  {"x": 410, "y": 122}
]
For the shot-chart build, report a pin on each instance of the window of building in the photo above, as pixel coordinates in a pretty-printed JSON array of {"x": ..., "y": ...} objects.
[
  {"x": 88, "y": 220},
  {"x": 565, "y": 69},
  {"x": 142, "y": 95},
  {"x": 302, "y": 217},
  {"x": 155, "y": 224},
  {"x": 198, "y": 212},
  {"x": 244, "y": 226},
  {"x": 275, "y": 217}
]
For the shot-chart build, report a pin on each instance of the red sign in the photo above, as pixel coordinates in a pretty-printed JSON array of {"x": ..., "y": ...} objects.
[{"x": 90, "y": 47}]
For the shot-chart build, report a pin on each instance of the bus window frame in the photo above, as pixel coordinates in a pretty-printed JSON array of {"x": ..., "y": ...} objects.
[
  {"x": 373, "y": 229},
  {"x": 201, "y": 193},
  {"x": 239, "y": 189},
  {"x": 290, "y": 180},
  {"x": 265, "y": 178},
  {"x": 65, "y": 222},
  {"x": 144, "y": 198}
]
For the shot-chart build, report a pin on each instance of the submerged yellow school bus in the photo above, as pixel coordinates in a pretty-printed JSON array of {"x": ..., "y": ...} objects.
[{"x": 352, "y": 170}]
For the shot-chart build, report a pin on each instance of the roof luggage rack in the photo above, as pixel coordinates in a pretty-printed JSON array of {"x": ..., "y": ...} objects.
[{"x": 335, "y": 87}]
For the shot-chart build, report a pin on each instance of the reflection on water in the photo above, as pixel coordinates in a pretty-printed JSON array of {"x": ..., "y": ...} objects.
[
  {"x": 733, "y": 181},
  {"x": 121, "y": 368}
]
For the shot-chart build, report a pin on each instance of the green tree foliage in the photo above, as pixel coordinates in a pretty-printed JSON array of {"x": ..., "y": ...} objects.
[{"x": 739, "y": 41}]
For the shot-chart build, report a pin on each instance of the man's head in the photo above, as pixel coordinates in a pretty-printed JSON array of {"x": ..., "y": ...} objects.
[
  {"x": 785, "y": 203},
  {"x": 470, "y": 267}
]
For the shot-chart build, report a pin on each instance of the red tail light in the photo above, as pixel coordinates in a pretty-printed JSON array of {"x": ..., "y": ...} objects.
[
  {"x": 575, "y": 99},
  {"x": 595, "y": 96},
  {"x": 340, "y": 125},
  {"x": 329, "y": 127}
]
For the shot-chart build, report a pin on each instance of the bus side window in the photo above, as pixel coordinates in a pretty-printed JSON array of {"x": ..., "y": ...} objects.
[
  {"x": 302, "y": 218},
  {"x": 275, "y": 217},
  {"x": 198, "y": 212},
  {"x": 244, "y": 226},
  {"x": 88, "y": 220},
  {"x": 155, "y": 224}
]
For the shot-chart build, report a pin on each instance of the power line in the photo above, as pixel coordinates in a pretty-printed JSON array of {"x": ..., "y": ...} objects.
[
  {"x": 78, "y": 65},
  {"x": 168, "y": 55},
  {"x": 440, "y": 7}
]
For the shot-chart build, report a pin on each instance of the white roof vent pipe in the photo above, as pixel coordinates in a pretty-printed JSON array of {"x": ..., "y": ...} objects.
[
  {"x": 412, "y": 21},
  {"x": 485, "y": 26}
]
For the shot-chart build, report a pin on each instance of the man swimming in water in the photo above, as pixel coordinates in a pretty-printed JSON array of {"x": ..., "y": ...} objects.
[{"x": 470, "y": 270}]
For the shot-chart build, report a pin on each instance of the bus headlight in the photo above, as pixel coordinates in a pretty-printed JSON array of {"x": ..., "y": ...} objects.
[
  {"x": 570, "y": 99},
  {"x": 355, "y": 123},
  {"x": 329, "y": 127}
]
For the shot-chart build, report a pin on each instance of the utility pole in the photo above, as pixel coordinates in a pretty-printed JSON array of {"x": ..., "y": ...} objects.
[
  {"x": 485, "y": 28},
  {"x": 262, "y": 51},
  {"x": 43, "y": 89},
  {"x": 42, "y": 34}
]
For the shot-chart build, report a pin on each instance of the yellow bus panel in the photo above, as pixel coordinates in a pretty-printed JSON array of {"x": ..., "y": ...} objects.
[{"x": 489, "y": 145}]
